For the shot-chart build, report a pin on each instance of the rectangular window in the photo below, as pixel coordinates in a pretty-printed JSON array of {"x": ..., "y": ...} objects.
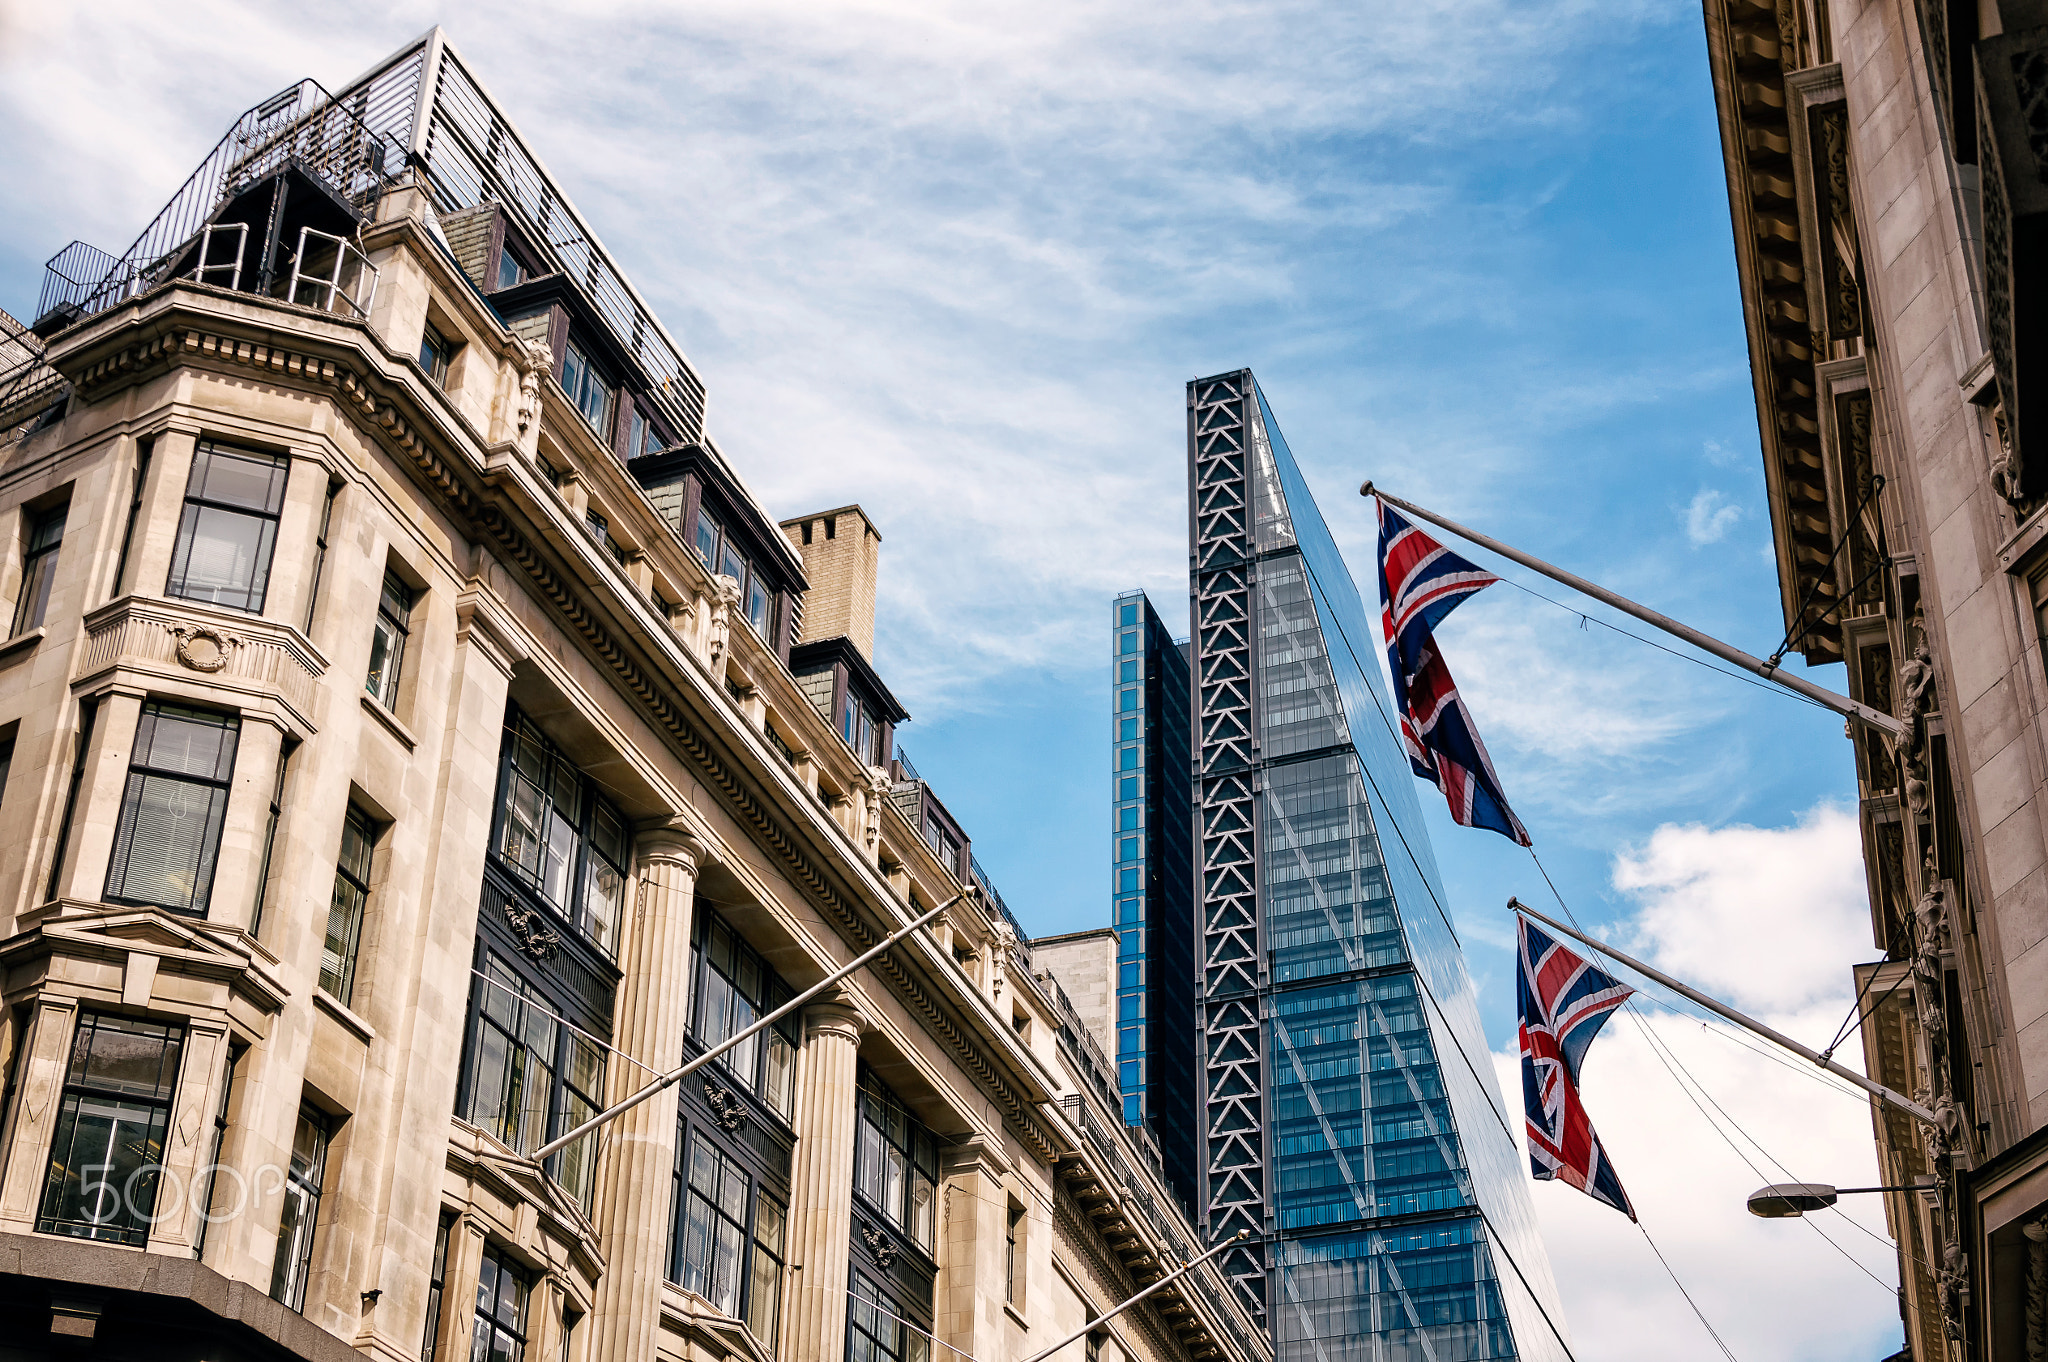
[
  {"x": 501, "y": 1292},
  {"x": 711, "y": 1250},
  {"x": 734, "y": 988},
  {"x": 876, "y": 1330},
  {"x": 1013, "y": 1283},
  {"x": 531, "y": 1077},
  {"x": 294, "y": 1260},
  {"x": 512, "y": 1065},
  {"x": 758, "y": 607},
  {"x": 435, "y": 352},
  {"x": 269, "y": 842},
  {"x": 895, "y": 1162},
  {"x": 108, "y": 1149},
  {"x": 560, "y": 837},
  {"x": 587, "y": 389},
  {"x": 142, "y": 456},
  {"x": 168, "y": 837},
  {"x": 229, "y": 527},
  {"x": 643, "y": 437},
  {"x": 511, "y": 274},
  {"x": 707, "y": 537},
  {"x": 764, "y": 1291},
  {"x": 387, "y": 640},
  {"x": 437, "y": 1278},
  {"x": 38, "y": 568},
  {"x": 345, "y": 909},
  {"x": 320, "y": 555}
]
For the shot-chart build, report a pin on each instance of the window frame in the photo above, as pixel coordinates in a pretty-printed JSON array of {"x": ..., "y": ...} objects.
[
  {"x": 698, "y": 1150},
  {"x": 139, "y": 773},
  {"x": 437, "y": 1284},
  {"x": 892, "y": 1318},
  {"x": 591, "y": 859},
  {"x": 486, "y": 1323},
  {"x": 436, "y": 352},
  {"x": 349, "y": 903},
  {"x": 301, "y": 1220},
  {"x": 564, "y": 1104},
  {"x": 754, "y": 1064},
  {"x": 38, "y": 566},
  {"x": 589, "y": 379},
  {"x": 196, "y": 503},
  {"x": 878, "y": 1110},
  {"x": 77, "y": 1089},
  {"x": 396, "y": 600}
]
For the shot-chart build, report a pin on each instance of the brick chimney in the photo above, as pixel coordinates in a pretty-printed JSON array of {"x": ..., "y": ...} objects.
[{"x": 842, "y": 555}]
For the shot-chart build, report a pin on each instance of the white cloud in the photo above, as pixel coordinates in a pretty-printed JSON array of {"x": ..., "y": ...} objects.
[
  {"x": 1770, "y": 919},
  {"x": 1709, "y": 517}
]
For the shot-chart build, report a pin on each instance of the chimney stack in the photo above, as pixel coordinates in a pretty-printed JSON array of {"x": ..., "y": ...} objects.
[{"x": 842, "y": 556}]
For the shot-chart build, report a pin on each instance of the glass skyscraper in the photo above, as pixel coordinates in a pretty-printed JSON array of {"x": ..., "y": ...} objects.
[
  {"x": 1351, "y": 1119},
  {"x": 1152, "y": 882}
]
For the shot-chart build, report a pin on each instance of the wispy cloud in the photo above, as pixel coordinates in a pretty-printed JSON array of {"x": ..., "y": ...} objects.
[{"x": 1709, "y": 517}]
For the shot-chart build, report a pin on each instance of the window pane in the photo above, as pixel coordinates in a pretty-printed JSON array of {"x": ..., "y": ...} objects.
[
  {"x": 757, "y": 606},
  {"x": 604, "y": 894},
  {"x": 102, "y": 1177},
  {"x": 222, "y": 557},
  {"x": 523, "y": 813},
  {"x": 707, "y": 536},
  {"x": 253, "y": 482},
  {"x": 344, "y": 927},
  {"x": 166, "y": 843},
  {"x": 777, "y": 1073},
  {"x": 731, "y": 564}
]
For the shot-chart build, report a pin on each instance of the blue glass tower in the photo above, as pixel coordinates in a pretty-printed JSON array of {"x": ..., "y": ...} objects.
[
  {"x": 1351, "y": 1120},
  {"x": 1153, "y": 884}
]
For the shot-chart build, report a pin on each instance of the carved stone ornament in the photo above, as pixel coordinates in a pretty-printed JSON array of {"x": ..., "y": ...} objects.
[
  {"x": 729, "y": 1111},
  {"x": 878, "y": 789},
  {"x": 204, "y": 648},
  {"x": 534, "y": 359},
  {"x": 721, "y": 617},
  {"x": 1952, "y": 1285},
  {"x": 880, "y": 1245},
  {"x": 536, "y": 938}
]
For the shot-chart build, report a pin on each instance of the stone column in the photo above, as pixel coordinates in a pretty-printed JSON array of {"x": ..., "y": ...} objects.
[
  {"x": 653, "y": 1015},
  {"x": 43, "y": 1050},
  {"x": 821, "y": 1210},
  {"x": 968, "y": 1296}
]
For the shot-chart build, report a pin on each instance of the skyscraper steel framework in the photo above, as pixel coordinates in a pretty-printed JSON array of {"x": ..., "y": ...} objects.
[{"x": 1351, "y": 1119}]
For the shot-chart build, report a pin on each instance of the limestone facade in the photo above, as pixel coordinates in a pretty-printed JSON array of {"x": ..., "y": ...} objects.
[
  {"x": 488, "y": 798},
  {"x": 1888, "y": 212}
]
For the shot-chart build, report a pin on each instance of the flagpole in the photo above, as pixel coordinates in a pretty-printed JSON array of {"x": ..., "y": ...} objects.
[
  {"x": 675, "y": 1076},
  {"x": 1877, "y": 1090},
  {"x": 1841, "y": 704}
]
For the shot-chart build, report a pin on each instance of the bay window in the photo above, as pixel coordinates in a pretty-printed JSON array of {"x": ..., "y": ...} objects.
[
  {"x": 228, "y": 530},
  {"x": 729, "y": 1244},
  {"x": 720, "y": 554},
  {"x": 168, "y": 835},
  {"x": 107, "y": 1153}
]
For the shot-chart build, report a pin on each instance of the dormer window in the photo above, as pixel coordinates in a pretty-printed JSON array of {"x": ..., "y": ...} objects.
[
  {"x": 587, "y": 388},
  {"x": 723, "y": 556},
  {"x": 511, "y": 274},
  {"x": 643, "y": 437}
]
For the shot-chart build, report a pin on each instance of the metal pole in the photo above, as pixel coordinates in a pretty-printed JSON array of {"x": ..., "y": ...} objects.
[
  {"x": 1841, "y": 704},
  {"x": 1877, "y": 1090},
  {"x": 678, "y": 1075},
  {"x": 1114, "y": 1311}
]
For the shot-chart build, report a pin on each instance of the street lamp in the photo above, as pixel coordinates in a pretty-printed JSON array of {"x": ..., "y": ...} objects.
[{"x": 1783, "y": 1199}]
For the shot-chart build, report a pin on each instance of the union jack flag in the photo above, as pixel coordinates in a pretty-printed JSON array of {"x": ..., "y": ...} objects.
[
  {"x": 1421, "y": 581},
  {"x": 1565, "y": 1001}
]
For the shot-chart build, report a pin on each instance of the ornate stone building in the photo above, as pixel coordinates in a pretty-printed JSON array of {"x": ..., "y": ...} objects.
[
  {"x": 417, "y": 737},
  {"x": 1888, "y": 176}
]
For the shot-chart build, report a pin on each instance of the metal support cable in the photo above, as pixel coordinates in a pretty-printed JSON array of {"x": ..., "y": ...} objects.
[{"x": 1799, "y": 628}]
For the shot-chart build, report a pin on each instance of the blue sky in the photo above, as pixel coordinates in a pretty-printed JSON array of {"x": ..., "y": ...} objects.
[{"x": 956, "y": 263}]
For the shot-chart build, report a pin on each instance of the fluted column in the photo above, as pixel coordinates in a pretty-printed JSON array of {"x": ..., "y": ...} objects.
[
  {"x": 653, "y": 1016},
  {"x": 821, "y": 1213}
]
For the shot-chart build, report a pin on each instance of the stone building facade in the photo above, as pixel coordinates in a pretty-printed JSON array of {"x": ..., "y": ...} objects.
[
  {"x": 404, "y": 760},
  {"x": 1888, "y": 179}
]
